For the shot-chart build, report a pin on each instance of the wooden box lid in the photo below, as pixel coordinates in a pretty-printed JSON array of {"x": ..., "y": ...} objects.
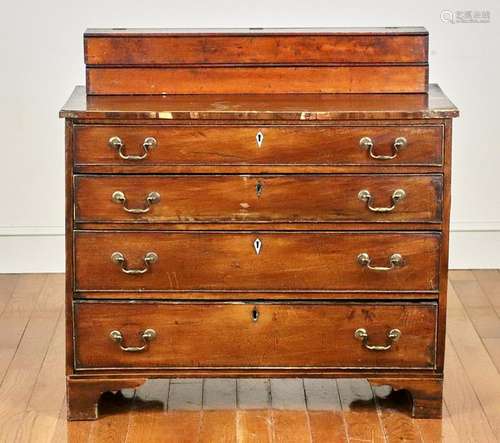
[{"x": 256, "y": 60}]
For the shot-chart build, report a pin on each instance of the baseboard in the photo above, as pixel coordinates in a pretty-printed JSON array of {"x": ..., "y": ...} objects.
[
  {"x": 474, "y": 250},
  {"x": 41, "y": 249},
  {"x": 31, "y": 253}
]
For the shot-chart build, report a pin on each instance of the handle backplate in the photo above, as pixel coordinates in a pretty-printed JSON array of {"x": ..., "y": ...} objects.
[
  {"x": 117, "y": 143},
  {"x": 146, "y": 337},
  {"x": 392, "y": 337},
  {"x": 368, "y": 144},
  {"x": 395, "y": 260},
  {"x": 119, "y": 258},
  {"x": 397, "y": 196},
  {"x": 120, "y": 198}
]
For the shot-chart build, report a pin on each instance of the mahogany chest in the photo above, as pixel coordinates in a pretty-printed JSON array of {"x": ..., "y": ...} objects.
[{"x": 257, "y": 203}]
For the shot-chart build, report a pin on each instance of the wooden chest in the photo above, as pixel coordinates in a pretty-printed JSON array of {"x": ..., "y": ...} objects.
[{"x": 237, "y": 228}]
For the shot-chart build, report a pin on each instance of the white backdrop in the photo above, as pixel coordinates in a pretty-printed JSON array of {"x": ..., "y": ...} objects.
[{"x": 42, "y": 59}]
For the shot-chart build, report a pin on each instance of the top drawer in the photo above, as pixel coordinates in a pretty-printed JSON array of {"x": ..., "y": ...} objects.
[
  {"x": 132, "y": 47},
  {"x": 113, "y": 145}
]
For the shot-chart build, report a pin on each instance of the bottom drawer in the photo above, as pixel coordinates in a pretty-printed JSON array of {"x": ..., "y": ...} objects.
[{"x": 254, "y": 335}]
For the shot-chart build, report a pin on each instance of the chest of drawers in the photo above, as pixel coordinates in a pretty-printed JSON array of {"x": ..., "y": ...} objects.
[{"x": 255, "y": 235}]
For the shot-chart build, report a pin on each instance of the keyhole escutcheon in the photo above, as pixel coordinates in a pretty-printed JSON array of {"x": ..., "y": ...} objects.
[
  {"x": 259, "y": 138},
  {"x": 259, "y": 187},
  {"x": 255, "y": 314},
  {"x": 257, "y": 245}
]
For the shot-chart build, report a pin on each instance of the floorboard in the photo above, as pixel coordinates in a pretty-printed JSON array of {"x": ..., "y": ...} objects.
[
  {"x": 489, "y": 280},
  {"x": 16, "y": 315},
  {"x": 479, "y": 308},
  {"x": 325, "y": 411},
  {"x": 185, "y": 394},
  {"x": 290, "y": 426},
  {"x": 218, "y": 426},
  {"x": 396, "y": 423},
  {"x": 466, "y": 413},
  {"x": 476, "y": 361},
  {"x": 253, "y": 393},
  {"x": 7, "y": 285},
  {"x": 21, "y": 374},
  {"x": 40, "y": 419},
  {"x": 493, "y": 347},
  {"x": 360, "y": 412},
  {"x": 254, "y": 426},
  {"x": 60, "y": 433},
  {"x": 219, "y": 393}
]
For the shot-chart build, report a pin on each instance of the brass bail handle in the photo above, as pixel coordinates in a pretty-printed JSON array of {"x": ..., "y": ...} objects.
[
  {"x": 392, "y": 337},
  {"x": 119, "y": 258},
  {"x": 397, "y": 196},
  {"x": 368, "y": 144},
  {"x": 395, "y": 260},
  {"x": 118, "y": 144},
  {"x": 120, "y": 198},
  {"x": 146, "y": 337}
]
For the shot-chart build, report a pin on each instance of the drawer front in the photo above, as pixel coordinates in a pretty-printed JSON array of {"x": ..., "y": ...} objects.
[
  {"x": 258, "y": 261},
  {"x": 109, "y": 50},
  {"x": 253, "y": 145},
  {"x": 254, "y": 335},
  {"x": 293, "y": 198},
  {"x": 219, "y": 80}
]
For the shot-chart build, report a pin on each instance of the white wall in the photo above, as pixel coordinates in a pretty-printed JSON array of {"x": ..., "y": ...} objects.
[{"x": 42, "y": 59}]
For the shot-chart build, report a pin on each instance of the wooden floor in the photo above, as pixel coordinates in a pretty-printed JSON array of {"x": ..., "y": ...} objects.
[{"x": 32, "y": 404}]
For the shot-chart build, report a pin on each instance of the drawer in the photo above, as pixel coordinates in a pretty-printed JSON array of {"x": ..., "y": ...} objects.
[
  {"x": 256, "y": 261},
  {"x": 288, "y": 198},
  {"x": 300, "y": 47},
  {"x": 208, "y": 335},
  {"x": 254, "y": 145}
]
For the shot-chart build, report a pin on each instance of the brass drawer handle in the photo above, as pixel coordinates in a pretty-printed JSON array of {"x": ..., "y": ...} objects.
[
  {"x": 117, "y": 143},
  {"x": 399, "y": 143},
  {"x": 146, "y": 336},
  {"x": 396, "y": 260},
  {"x": 119, "y": 259},
  {"x": 119, "y": 197},
  {"x": 397, "y": 196},
  {"x": 392, "y": 337}
]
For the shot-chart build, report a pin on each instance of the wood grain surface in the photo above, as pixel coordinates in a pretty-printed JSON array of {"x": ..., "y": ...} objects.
[
  {"x": 237, "y": 145},
  {"x": 257, "y": 198},
  {"x": 229, "y": 335},
  {"x": 254, "y": 49},
  {"x": 270, "y": 107},
  {"x": 258, "y": 80},
  {"x": 286, "y": 261}
]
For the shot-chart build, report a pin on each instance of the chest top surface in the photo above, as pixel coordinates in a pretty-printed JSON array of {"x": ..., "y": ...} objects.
[{"x": 296, "y": 107}]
